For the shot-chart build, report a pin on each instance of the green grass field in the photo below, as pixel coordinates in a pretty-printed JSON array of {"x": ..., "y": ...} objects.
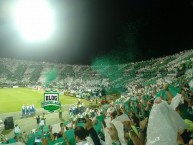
[{"x": 13, "y": 99}]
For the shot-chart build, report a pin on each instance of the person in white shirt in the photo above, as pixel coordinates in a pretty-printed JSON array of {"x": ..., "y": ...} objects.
[
  {"x": 33, "y": 109},
  {"x": 30, "y": 109},
  {"x": 17, "y": 130},
  {"x": 27, "y": 109},
  {"x": 42, "y": 123}
]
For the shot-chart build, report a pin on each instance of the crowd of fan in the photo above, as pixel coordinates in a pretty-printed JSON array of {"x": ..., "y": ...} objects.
[
  {"x": 156, "y": 110},
  {"x": 163, "y": 117},
  {"x": 77, "y": 108},
  {"x": 81, "y": 78}
]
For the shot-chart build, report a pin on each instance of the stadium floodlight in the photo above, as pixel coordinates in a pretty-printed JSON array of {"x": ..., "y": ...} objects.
[{"x": 34, "y": 19}]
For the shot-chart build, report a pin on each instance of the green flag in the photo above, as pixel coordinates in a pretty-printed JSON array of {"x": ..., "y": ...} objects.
[
  {"x": 173, "y": 90},
  {"x": 162, "y": 94}
]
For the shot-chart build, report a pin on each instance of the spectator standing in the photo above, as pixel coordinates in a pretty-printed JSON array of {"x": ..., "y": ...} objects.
[
  {"x": 38, "y": 120},
  {"x": 33, "y": 109},
  {"x": 27, "y": 109},
  {"x": 17, "y": 130},
  {"x": 23, "y": 110},
  {"x": 42, "y": 123},
  {"x": 30, "y": 110},
  {"x": 44, "y": 118},
  {"x": 60, "y": 113}
]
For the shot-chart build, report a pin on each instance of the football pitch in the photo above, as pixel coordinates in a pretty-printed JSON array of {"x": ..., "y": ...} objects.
[{"x": 12, "y": 99}]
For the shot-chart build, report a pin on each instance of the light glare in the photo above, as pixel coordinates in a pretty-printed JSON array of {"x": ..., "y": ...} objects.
[{"x": 34, "y": 19}]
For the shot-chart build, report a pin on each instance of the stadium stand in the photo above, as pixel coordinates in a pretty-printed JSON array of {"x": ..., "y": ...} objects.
[{"x": 156, "y": 101}]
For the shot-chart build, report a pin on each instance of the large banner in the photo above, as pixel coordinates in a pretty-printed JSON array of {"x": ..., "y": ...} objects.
[{"x": 51, "y": 101}]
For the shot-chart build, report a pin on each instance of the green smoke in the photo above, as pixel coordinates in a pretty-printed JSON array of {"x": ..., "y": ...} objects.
[
  {"x": 107, "y": 67},
  {"x": 51, "y": 76}
]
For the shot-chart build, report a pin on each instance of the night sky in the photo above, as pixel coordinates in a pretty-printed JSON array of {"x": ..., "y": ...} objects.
[{"x": 125, "y": 31}]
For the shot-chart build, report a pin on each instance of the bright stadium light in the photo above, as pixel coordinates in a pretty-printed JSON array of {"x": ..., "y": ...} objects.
[{"x": 34, "y": 19}]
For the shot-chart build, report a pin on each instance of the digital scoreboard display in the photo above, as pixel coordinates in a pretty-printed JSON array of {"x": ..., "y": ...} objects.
[{"x": 51, "y": 97}]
